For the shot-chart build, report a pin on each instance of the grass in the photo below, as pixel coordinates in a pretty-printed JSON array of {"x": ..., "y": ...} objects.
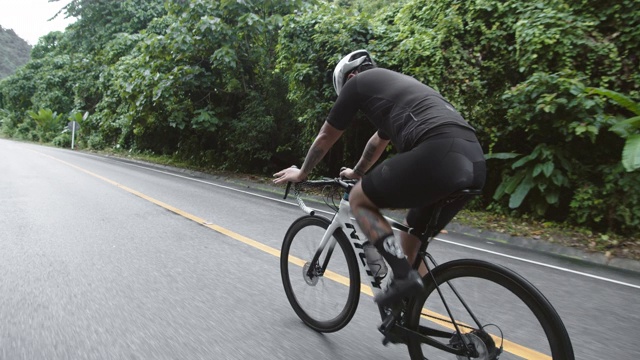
[{"x": 611, "y": 245}]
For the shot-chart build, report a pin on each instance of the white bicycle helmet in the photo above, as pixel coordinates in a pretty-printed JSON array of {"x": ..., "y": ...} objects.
[{"x": 356, "y": 60}]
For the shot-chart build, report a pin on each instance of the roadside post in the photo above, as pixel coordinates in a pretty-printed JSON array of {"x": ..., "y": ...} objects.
[{"x": 73, "y": 125}]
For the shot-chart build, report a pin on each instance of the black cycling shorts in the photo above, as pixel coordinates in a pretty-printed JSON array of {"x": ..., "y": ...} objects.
[{"x": 443, "y": 163}]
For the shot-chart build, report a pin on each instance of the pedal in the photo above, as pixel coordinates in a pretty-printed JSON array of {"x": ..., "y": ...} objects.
[
  {"x": 393, "y": 335},
  {"x": 385, "y": 341},
  {"x": 392, "y": 325},
  {"x": 386, "y": 324},
  {"x": 385, "y": 327}
]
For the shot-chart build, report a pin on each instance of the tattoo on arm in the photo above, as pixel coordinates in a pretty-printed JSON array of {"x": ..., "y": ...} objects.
[
  {"x": 366, "y": 160},
  {"x": 327, "y": 136},
  {"x": 314, "y": 156}
]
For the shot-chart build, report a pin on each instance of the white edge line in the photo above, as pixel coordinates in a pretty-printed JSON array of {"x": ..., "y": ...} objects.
[
  {"x": 439, "y": 239},
  {"x": 539, "y": 263},
  {"x": 224, "y": 187}
]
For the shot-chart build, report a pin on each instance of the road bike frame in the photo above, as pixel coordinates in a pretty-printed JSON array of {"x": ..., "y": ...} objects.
[
  {"x": 342, "y": 220},
  {"x": 401, "y": 321}
]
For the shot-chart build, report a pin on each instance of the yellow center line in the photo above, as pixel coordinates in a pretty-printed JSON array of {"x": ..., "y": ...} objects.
[{"x": 509, "y": 346}]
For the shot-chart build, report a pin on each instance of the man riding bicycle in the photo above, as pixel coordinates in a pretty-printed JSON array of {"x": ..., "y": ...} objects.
[{"x": 438, "y": 155}]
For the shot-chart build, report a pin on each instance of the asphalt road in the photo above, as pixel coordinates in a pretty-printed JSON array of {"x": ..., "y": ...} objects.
[{"x": 105, "y": 259}]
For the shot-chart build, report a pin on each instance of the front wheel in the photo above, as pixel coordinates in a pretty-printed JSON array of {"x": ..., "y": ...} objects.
[
  {"x": 500, "y": 315},
  {"x": 323, "y": 290}
]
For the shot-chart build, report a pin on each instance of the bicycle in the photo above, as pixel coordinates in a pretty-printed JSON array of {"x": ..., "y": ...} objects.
[{"x": 451, "y": 288}]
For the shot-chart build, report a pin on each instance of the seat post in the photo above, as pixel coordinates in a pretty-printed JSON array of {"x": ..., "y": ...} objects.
[
  {"x": 430, "y": 233},
  {"x": 432, "y": 227},
  {"x": 433, "y": 222},
  {"x": 427, "y": 236}
]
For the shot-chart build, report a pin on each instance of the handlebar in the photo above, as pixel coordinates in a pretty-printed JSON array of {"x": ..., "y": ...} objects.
[{"x": 345, "y": 184}]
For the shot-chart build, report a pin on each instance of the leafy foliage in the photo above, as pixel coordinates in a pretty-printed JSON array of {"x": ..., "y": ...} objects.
[
  {"x": 47, "y": 121},
  {"x": 310, "y": 45},
  {"x": 608, "y": 202},
  {"x": 541, "y": 174},
  {"x": 245, "y": 85},
  {"x": 628, "y": 129}
]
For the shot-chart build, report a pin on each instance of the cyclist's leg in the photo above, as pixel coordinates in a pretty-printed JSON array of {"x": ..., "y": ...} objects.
[
  {"x": 410, "y": 246},
  {"x": 465, "y": 166},
  {"x": 420, "y": 177},
  {"x": 404, "y": 181},
  {"x": 368, "y": 215},
  {"x": 418, "y": 218},
  {"x": 378, "y": 231}
]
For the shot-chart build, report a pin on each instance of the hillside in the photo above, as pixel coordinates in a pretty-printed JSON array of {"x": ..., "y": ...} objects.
[{"x": 14, "y": 52}]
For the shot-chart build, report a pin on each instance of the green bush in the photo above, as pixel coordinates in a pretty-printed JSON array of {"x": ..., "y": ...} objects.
[
  {"x": 8, "y": 123},
  {"x": 610, "y": 203},
  {"x": 63, "y": 140},
  {"x": 246, "y": 85},
  {"x": 95, "y": 142},
  {"x": 540, "y": 176},
  {"x": 27, "y": 131},
  {"x": 49, "y": 123}
]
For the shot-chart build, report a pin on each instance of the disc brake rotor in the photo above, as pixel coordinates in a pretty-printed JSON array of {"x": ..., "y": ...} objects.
[
  {"x": 311, "y": 281},
  {"x": 480, "y": 346}
]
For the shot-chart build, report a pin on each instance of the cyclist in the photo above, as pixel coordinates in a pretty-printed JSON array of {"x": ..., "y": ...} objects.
[{"x": 438, "y": 155}]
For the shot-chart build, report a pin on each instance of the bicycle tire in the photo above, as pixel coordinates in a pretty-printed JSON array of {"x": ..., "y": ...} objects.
[
  {"x": 467, "y": 271},
  {"x": 320, "y": 224}
]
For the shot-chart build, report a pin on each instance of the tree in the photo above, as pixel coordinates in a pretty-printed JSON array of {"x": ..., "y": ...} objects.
[{"x": 245, "y": 85}]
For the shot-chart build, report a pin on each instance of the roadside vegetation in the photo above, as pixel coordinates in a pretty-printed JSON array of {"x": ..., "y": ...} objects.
[
  {"x": 241, "y": 87},
  {"x": 610, "y": 244}
]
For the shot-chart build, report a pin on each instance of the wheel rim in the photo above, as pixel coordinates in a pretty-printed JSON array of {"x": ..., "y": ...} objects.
[
  {"x": 322, "y": 301},
  {"x": 502, "y": 313}
]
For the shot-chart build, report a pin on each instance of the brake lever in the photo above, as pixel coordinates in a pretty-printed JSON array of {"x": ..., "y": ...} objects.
[{"x": 286, "y": 191}]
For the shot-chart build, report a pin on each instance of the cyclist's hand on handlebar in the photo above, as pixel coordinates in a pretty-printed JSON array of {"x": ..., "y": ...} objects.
[
  {"x": 292, "y": 174},
  {"x": 347, "y": 173}
]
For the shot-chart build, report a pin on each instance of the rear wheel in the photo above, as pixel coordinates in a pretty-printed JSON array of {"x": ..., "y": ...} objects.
[
  {"x": 325, "y": 292},
  {"x": 504, "y": 316}
]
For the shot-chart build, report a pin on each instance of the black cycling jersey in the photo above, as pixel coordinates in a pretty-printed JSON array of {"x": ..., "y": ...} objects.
[{"x": 400, "y": 107}]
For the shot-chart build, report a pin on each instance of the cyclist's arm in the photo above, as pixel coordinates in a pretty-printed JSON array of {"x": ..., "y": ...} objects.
[
  {"x": 327, "y": 136},
  {"x": 372, "y": 152}
]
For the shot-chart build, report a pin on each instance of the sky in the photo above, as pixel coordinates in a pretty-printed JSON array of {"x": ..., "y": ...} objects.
[{"x": 28, "y": 18}]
